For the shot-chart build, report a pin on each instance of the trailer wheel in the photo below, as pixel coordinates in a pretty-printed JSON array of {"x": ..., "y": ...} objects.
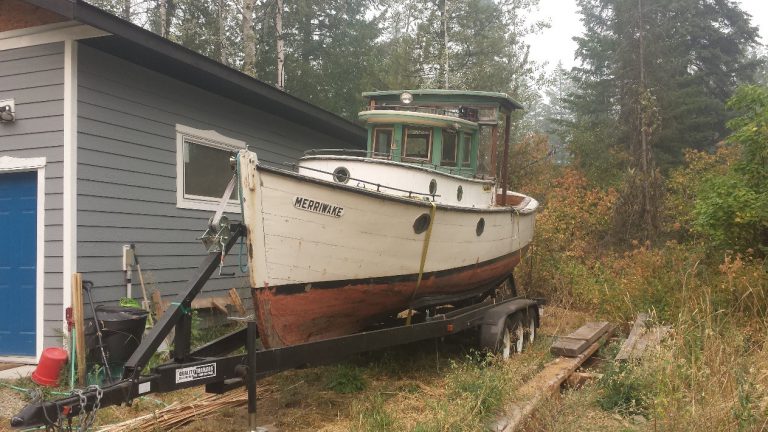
[
  {"x": 511, "y": 338},
  {"x": 530, "y": 328}
]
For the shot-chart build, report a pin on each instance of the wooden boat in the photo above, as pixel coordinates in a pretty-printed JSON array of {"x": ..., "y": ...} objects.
[{"x": 345, "y": 240}]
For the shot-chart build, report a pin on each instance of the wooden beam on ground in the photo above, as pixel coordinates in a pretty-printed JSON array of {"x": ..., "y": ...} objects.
[
  {"x": 575, "y": 343},
  {"x": 578, "y": 379},
  {"x": 546, "y": 383},
  {"x": 78, "y": 318},
  {"x": 638, "y": 329}
]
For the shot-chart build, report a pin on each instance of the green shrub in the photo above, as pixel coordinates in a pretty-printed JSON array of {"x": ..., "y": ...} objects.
[{"x": 345, "y": 379}]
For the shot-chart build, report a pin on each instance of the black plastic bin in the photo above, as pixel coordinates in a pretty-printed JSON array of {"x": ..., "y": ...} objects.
[{"x": 121, "y": 331}]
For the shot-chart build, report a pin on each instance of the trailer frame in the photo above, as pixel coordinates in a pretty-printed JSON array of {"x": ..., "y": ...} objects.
[{"x": 214, "y": 365}]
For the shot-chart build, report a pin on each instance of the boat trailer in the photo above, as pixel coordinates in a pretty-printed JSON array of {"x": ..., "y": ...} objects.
[{"x": 214, "y": 365}]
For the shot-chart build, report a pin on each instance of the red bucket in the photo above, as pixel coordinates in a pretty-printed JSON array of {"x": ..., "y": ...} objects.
[{"x": 47, "y": 371}]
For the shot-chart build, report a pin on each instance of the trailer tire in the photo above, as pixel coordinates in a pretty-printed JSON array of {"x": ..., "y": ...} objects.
[
  {"x": 531, "y": 326},
  {"x": 511, "y": 338}
]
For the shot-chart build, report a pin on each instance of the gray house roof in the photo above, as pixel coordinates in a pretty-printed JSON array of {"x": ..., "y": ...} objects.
[{"x": 154, "y": 52}]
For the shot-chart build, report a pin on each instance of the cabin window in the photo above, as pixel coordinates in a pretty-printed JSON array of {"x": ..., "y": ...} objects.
[
  {"x": 418, "y": 143},
  {"x": 202, "y": 168},
  {"x": 450, "y": 147},
  {"x": 465, "y": 157},
  {"x": 382, "y": 141}
]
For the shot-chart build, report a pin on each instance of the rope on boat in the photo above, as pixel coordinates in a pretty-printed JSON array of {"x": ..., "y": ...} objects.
[
  {"x": 424, "y": 250},
  {"x": 243, "y": 268}
]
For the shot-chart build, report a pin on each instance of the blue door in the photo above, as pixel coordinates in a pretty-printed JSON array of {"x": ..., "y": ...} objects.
[{"x": 18, "y": 263}]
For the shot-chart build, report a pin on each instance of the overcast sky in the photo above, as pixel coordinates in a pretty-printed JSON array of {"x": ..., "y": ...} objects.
[{"x": 555, "y": 44}]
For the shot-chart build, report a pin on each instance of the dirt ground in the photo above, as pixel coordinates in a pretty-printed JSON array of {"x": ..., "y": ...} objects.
[{"x": 299, "y": 400}]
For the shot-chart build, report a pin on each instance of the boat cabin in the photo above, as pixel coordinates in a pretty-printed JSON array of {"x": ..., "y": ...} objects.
[{"x": 448, "y": 130}]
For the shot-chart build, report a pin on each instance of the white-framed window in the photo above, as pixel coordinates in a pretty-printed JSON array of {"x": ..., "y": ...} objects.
[{"x": 202, "y": 168}]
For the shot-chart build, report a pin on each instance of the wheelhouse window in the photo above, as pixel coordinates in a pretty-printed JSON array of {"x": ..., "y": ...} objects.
[
  {"x": 465, "y": 157},
  {"x": 450, "y": 148},
  {"x": 382, "y": 141},
  {"x": 202, "y": 168},
  {"x": 418, "y": 143}
]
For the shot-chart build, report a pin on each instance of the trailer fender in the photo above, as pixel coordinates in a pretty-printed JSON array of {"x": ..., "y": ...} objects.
[{"x": 495, "y": 319}]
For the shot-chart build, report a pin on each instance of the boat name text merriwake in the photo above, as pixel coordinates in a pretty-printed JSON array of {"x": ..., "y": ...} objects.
[{"x": 316, "y": 206}]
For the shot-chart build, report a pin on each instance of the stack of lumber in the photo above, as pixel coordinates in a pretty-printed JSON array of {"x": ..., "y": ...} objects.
[
  {"x": 555, "y": 373},
  {"x": 577, "y": 342},
  {"x": 176, "y": 414},
  {"x": 641, "y": 338}
]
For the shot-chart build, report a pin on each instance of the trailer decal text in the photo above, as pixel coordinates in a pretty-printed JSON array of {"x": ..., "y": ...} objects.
[
  {"x": 315, "y": 206},
  {"x": 193, "y": 373}
]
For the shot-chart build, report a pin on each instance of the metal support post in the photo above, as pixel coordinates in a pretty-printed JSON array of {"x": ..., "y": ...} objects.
[
  {"x": 182, "y": 339},
  {"x": 250, "y": 346}
]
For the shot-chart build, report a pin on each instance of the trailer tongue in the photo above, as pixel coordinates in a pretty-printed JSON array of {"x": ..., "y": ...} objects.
[{"x": 213, "y": 365}]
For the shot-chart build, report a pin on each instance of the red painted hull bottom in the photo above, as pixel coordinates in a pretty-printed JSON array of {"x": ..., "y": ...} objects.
[{"x": 294, "y": 314}]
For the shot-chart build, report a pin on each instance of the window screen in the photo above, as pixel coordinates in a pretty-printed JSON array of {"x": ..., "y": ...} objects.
[
  {"x": 418, "y": 142},
  {"x": 206, "y": 170}
]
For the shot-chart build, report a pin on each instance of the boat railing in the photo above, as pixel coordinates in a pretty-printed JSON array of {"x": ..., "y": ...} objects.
[
  {"x": 388, "y": 156},
  {"x": 343, "y": 152},
  {"x": 359, "y": 181}
]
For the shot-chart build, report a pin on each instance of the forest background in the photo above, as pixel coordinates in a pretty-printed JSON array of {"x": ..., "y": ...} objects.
[{"x": 650, "y": 158}]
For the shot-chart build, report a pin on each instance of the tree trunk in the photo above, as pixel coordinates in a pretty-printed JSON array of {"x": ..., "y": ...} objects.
[
  {"x": 444, "y": 46},
  {"x": 126, "y": 12},
  {"x": 280, "y": 83},
  {"x": 249, "y": 38},
  {"x": 221, "y": 39},
  {"x": 163, "y": 9}
]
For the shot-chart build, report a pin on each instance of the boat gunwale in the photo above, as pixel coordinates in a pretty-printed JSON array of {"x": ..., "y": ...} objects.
[{"x": 528, "y": 206}]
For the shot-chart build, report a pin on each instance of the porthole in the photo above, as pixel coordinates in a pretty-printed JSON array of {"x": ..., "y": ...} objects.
[
  {"x": 480, "y": 227},
  {"x": 341, "y": 175},
  {"x": 421, "y": 223},
  {"x": 459, "y": 193},
  {"x": 433, "y": 187}
]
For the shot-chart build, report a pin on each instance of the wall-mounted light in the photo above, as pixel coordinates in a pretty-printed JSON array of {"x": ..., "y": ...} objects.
[
  {"x": 7, "y": 111},
  {"x": 406, "y": 98}
]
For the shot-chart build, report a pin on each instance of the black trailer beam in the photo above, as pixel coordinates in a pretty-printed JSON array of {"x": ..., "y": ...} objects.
[{"x": 179, "y": 308}]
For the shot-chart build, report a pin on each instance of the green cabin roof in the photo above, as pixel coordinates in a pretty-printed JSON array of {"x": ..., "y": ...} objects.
[{"x": 469, "y": 96}]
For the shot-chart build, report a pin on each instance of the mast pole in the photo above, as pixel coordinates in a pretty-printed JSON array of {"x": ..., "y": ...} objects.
[{"x": 505, "y": 159}]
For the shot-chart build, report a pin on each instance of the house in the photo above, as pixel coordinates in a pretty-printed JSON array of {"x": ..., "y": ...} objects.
[{"x": 113, "y": 135}]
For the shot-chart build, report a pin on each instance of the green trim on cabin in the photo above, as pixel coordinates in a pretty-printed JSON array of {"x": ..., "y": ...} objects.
[
  {"x": 370, "y": 139},
  {"x": 398, "y": 140},
  {"x": 474, "y": 153},
  {"x": 437, "y": 146}
]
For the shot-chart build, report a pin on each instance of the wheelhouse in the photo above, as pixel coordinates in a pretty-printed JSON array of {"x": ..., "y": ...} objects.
[{"x": 452, "y": 131}]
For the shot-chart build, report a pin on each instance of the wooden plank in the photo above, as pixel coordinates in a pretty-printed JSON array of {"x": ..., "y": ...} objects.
[
  {"x": 237, "y": 302},
  {"x": 79, "y": 320},
  {"x": 575, "y": 343},
  {"x": 638, "y": 329},
  {"x": 651, "y": 339},
  {"x": 545, "y": 383},
  {"x": 159, "y": 305},
  {"x": 578, "y": 379}
]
